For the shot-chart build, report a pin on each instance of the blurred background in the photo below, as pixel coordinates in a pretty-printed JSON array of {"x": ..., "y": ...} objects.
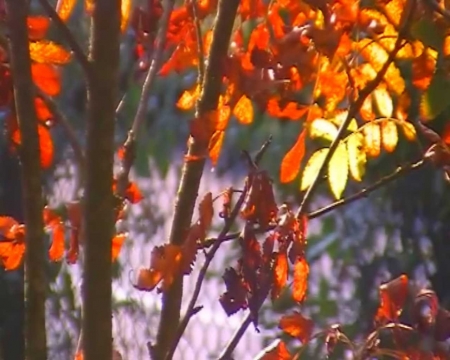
[{"x": 401, "y": 228}]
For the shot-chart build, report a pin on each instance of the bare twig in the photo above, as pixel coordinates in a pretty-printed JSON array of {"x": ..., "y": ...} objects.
[
  {"x": 435, "y": 7},
  {"x": 193, "y": 170},
  {"x": 29, "y": 150},
  {"x": 99, "y": 206},
  {"x": 355, "y": 106},
  {"x": 190, "y": 311},
  {"x": 130, "y": 143},
  {"x": 200, "y": 47},
  {"x": 67, "y": 33}
]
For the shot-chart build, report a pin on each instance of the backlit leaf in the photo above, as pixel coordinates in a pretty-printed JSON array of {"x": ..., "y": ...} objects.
[
  {"x": 281, "y": 274},
  {"x": 338, "y": 170},
  {"x": 243, "y": 110},
  {"x": 37, "y": 26},
  {"x": 42, "y": 111},
  {"x": 392, "y": 299},
  {"x": 277, "y": 350},
  {"x": 322, "y": 128},
  {"x": 56, "y": 251},
  {"x": 300, "y": 283},
  {"x": 11, "y": 254},
  {"x": 48, "y": 52},
  {"x": 188, "y": 98},
  {"x": 125, "y": 12},
  {"x": 422, "y": 70},
  {"x": 215, "y": 145},
  {"x": 389, "y": 135},
  {"x": 64, "y": 8},
  {"x": 357, "y": 157},
  {"x": 290, "y": 166},
  {"x": 372, "y": 139},
  {"x": 383, "y": 101},
  {"x": 408, "y": 130},
  {"x": 435, "y": 100},
  {"x": 89, "y": 6},
  {"x": 298, "y": 326},
  {"x": 312, "y": 168},
  {"x": 47, "y": 78},
  {"x": 117, "y": 243}
]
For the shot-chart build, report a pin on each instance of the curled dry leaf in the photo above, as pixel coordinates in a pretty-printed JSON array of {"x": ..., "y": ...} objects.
[{"x": 298, "y": 326}]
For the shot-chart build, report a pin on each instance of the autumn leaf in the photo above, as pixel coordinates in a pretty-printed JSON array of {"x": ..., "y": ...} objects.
[
  {"x": 280, "y": 274},
  {"x": 290, "y": 165},
  {"x": 389, "y": 135},
  {"x": 423, "y": 68},
  {"x": 383, "y": 101},
  {"x": 393, "y": 297},
  {"x": 188, "y": 98},
  {"x": 277, "y": 350},
  {"x": 298, "y": 326},
  {"x": 37, "y": 27},
  {"x": 89, "y": 6},
  {"x": 64, "y": 8},
  {"x": 42, "y": 111},
  {"x": 56, "y": 251},
  {"x": 322, "y": 128},
  {"x": 47, "y": 78},
  {"x": 215, "y": 145},
  {"x": 11, "y": 254},
  {"x": 338, "y": 170},
  {"x": 408, "y": 130},
  {"x": 48, "y": 52},
  {"x": 300, "y": 284},
  {"x": 117, "y": 243},
  {"x": 435, "y": 100},
  {"x": 357, "y": 157},
  {"x": 372, "y": 139},
  {"x": 243, "y": 110},
  {"x": 312, "y": 167},
  {"x": 125, "y": 12}
]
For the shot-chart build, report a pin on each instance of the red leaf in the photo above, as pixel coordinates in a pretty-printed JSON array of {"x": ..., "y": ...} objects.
[
  {"x": 275, "y": 351},
  {"x": 117, "y": 243},
  {"x": 47, "y": 78},
  {"x": 37, "y": 27},
  {"x": 290, "y": 166},
  {"x": 56, "y": 251},
  {"x": 300, "y": 285},
  {"x": 297, "y": 326},
  {"x": 281, "y": 274},
  {"x": 393, "y": 297}
]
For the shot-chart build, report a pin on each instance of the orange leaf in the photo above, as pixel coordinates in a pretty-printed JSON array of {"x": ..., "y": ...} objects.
[
  {"x": 89, "y": 6},
  {"x": 42, "y": 111},
  {"x": 281, "y": 274},
  {"x": 117, "y": 243},
  {"x": 290, "y": 166},
  {"x": 48, "y": 52},
  {"x": 6, "y": 223},
  {"x": 46, "y": 78},
  {"x": 422, "y": 70},
  {"x": 79, "y": 355},
  {"x": 300, "y": 285},
  {"x": 275, "y": 351},
  {"x": 297, "y": 326},
  {"x": 188, "y": 98},
  {"x": 126, "y": 11},
  {"x": 243, "y": 110},
  {"x": 64, "y": 8},
  {"x": 37, "y": 27},
  {"x": 11, "y": 254},
  {"x": 393, "y": 297},
  {"x": 56, "y": 251},
  {"x": 215, "y": 145},
  {"x": 133, "y": 194},
  {"x": 372, "y": 135}
]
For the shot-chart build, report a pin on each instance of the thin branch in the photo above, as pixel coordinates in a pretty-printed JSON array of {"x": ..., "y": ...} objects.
[
  {"x": 67, "y": 33},
  {"x": 29, "y": 151},
  {"x": 192, "y": 171},
  {"x": 130, "y": 143},
  {"x": 356, "y": 106},
  {"x": 435, "y": 7},
  {"x": 200, "y": 46},
  {"x": 210, "y": 256}
]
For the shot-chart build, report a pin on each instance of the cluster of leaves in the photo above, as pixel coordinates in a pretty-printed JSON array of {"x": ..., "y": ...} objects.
[{"x": 409, "y": 324}]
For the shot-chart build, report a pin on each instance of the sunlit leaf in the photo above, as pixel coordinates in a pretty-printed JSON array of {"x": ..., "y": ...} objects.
[
  {"x": 312, "y": 168},
  {"x": 89, "y": 6},
  {"x": 277, "y": 350},
  {"x": 290, "y": 165},
  {"x": 389, "y": 134},
  {"x": 300, "y": 283},
  {"x": 372, "y": 139},
  {"x": 338, "y": 170},
  {"x": 215, "y": 145},
  {"x": 188, "y": 98},
  {"x": 408, "y": 130},
  {"x": 383, "y": 101},
  {"x": 392, "y": 297},
  {"x": 322, "y": 128},
  {"x": 56, "y": 251},
  {"x": 37, "y": 26},
  {"x": 298, "y": 326},
  {"x": 435, "y": 100},
  {"x": 423, "y": 68},
  {"x": 340, "y": 116},
  {"x": 11, "y": 254},
  {"x": 117, "y": 243},
  {"x": 48, "y": 52},
  {"x": 42, "y": 111},
  {"x": 357, "y": 157},
  {"x": 64, "y": 8},
  {"x": 47, "y": 78},
  {"x": 281, "y": 274},
  {"x": 243, "y": 110},
  {"x": 125, "y": 12}
]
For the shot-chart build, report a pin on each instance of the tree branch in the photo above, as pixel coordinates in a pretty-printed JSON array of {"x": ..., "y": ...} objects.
[
  {"x": 103, "y": 89},
  {"x": 67, "y": 33},
  {"x": 356, "y": 106},
  {"x": 193, "y": 170},
  {"x": 29, "y": 152}
]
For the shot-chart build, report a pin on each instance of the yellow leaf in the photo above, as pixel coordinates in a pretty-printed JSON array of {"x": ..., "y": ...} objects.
[
  {"x": 64, "y": 8},
  {"x": 389, "y": 134},
  {"x": 372, "y": 135},
  {"x": 47, "y": 52},
  {"x": 338, "y": 170},
  {"x": 340, "y": 117},
  {"x": 126, "y": 11},
  {"x": 312, "y": 168},
  {"x": 383, "y": 101},
  {"x": 322, "y": 128},
  {"x": 243, "y": 110},
  {"x": 408, "y": 129},
  {"x": 188, "y": 98},
  {"x": 357, "y": 157}
]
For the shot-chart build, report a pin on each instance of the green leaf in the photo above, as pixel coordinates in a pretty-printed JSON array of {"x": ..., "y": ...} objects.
[
  {"x": 426, "y": 31},
  {"x": 436, "y": 99},
  {"x": 338, "y": 170},
  {"x": 312, "y": 168},
  {"x": 322, "y": 128}
]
